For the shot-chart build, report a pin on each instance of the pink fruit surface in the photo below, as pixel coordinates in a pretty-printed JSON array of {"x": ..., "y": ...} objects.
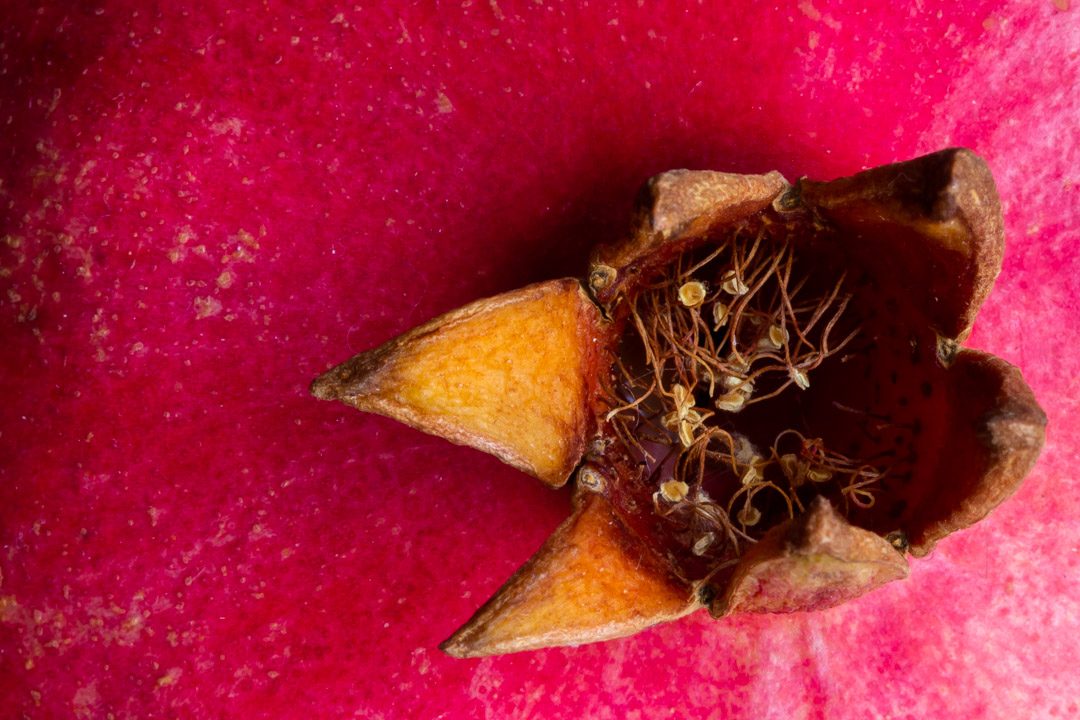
[{"x": 202, "y": 209}]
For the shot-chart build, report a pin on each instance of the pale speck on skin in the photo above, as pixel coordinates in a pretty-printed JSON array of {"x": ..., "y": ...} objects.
[
  {"x": 421, "y": 662},
  {"x": 170, "y": 677},
  {"x": 228, "y": 126},
  {"x": 443, "y": 103},
  {"x": 207, "y": 307},
  {"x": 86, "y": 702}
]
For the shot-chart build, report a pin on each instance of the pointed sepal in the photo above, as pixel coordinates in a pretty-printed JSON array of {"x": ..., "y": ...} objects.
[
  {"x": 675, "y": 209},
  {"x": 812, "y": 562},
  {"x": 932, "y": 224},
  {"x": 513, "y": 375},
  {"x": 592, "y": 580}
]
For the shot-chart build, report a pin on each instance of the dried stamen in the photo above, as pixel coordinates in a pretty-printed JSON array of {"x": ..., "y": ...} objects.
[
  {"x": 749, "y": 515},
  {"x": 767, "y": 334},
  {"x": 674, "y": 491},
  {"x": 692, "y": 294},
  {"x": 720, "y": 313},
  {"x": 732, "y": 284}
]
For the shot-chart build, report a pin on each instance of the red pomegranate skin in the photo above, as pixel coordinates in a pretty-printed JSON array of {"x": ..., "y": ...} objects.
[{"x": 201, "y": 209}]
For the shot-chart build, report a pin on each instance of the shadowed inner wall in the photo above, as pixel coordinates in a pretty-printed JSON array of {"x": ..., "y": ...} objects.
[{"x": 759, "y": 369}]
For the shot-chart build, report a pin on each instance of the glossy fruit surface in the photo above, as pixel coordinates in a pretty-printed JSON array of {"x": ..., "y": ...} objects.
[{"x": 198, "y": 209}]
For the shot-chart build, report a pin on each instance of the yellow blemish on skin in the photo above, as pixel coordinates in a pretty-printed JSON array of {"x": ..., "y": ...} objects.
[
  {"x": 9, "y": 608},
  {"x": 207, "y": 307},
  {"x": 807, "y": 8},
  {"x": 179, "y": 249},
  {"x": 170, "y": 677},
  {"x": 86, "y": 702}
]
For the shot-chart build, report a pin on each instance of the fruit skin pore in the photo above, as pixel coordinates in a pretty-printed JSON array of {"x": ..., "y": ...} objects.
[{"x": 530, "y": 376}]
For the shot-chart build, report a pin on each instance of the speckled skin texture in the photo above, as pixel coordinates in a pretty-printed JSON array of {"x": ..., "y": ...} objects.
[{"x": 201, "y": 211}]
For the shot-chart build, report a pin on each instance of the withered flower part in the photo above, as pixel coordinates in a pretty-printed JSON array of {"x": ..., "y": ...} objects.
[{"x": 761, "y": 393}]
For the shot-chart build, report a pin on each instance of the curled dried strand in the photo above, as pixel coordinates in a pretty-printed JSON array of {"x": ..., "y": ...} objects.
[{"x": 733, "y": 327}]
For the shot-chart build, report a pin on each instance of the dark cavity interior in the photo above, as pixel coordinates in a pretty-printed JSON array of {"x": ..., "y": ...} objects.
[{"x": 757, "y": 370}]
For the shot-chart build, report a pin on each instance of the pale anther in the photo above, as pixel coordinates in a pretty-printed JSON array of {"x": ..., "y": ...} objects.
[
  {"x": 732, "y": 284},
  {"x": 692, "y": 294},
  {"x": 719, "y": 315},
  {"x": 674, "y": 490}
]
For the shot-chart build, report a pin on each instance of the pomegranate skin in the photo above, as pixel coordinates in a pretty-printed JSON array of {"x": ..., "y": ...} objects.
[{"x": 198, "y": 209}]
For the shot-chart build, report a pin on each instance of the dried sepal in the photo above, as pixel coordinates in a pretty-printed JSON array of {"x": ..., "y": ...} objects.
[
  {"x": 933, "y": 224},
  {"x": 592, "y": 580},
  {"x": 681, "y": 206},
  {"x": 513, "y": 375},
  {"x": 996, "y": 431},
  {"x": 814, "y": 561}
]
